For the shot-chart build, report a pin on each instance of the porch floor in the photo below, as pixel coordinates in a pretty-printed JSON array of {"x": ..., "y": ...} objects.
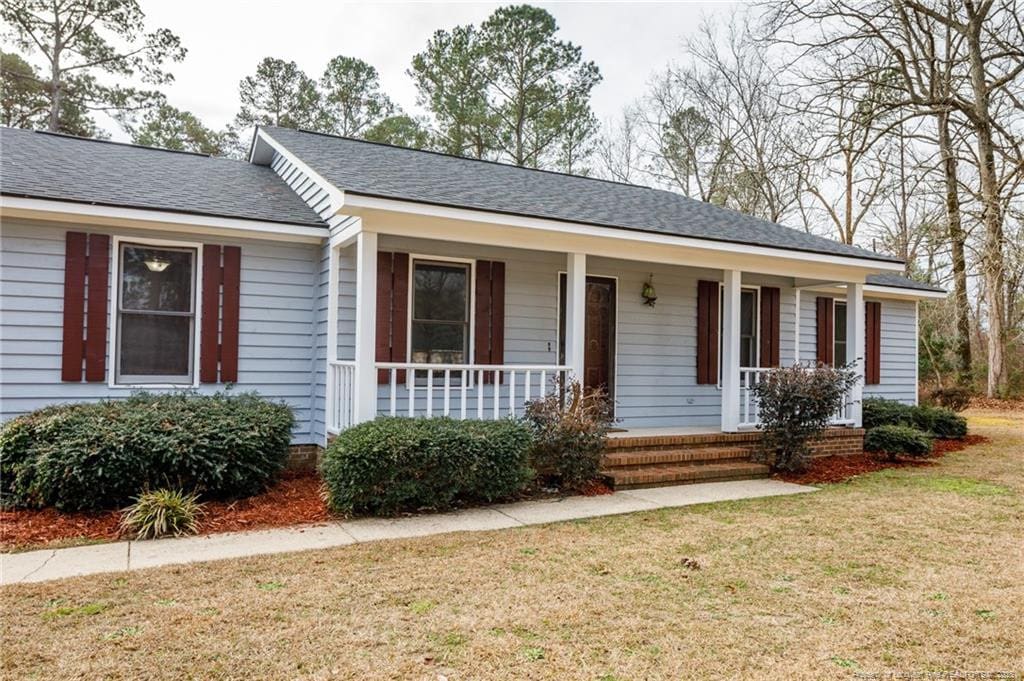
[{"x": 663, "y": 431}]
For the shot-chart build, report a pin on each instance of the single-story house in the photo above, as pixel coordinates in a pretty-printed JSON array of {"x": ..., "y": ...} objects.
[{"x": 353, "y": 279}]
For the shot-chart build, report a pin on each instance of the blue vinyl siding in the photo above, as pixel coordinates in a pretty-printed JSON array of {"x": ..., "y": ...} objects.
[
  {"x": 283, "y": 327},
  {"x": 275, "y": 326}
]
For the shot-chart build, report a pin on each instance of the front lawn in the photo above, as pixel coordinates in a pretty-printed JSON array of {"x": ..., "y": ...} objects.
[{"x": 912, "y": 569}]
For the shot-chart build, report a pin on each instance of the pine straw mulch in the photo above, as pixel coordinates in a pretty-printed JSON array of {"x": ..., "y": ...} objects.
[
  {"x": 294, "y": 500},
  {"x": 833, "y": 469}
]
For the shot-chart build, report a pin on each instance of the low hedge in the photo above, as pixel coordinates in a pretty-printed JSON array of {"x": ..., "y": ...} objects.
[
  {"x": 390, "y": 465},
  {"x": 893, "y": 440},
  {"x": 938, "y": 421},
  {"x": 102, "y": 455},
  {"x": 882, "y": 412}
]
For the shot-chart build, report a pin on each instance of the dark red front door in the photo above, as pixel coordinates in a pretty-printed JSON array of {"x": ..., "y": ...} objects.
[{"x": 599, "y": 357}]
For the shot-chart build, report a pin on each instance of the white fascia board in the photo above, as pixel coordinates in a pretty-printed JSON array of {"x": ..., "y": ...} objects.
[
  {"x": 337, "y": 196},
  {"x": 114, "y": 216},
  {"x": 356, "y": 202},
  {"x": 345, "y": 233},
  {"x": 878, "y": 291},
  {"x": 903, "y": 293}
]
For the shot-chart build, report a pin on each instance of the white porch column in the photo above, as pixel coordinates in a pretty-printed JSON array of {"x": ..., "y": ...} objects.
[
  {"x": 575, "y": 312},
  {"x": 330, "y": 410},
  {"x": 796, "y": 326},
  {"x": 731, "y": 352},
  {"x": 365, "y": 392},
  {"x": 855, "y": 346}
]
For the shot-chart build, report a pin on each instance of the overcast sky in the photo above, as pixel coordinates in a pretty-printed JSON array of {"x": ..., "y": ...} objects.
[{"x": 226, "y": 40}]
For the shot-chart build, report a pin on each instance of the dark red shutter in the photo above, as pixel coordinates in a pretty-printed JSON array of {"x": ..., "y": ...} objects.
[
  {"x": 86, "y": 296},
  {"x": 873, "y": 343},
  {"x": 392, "y": 322},
  {"x": 231, "y": 282},
  {"x": 770, "y": 322},
  {"x": 489, "y": 334},
  {"x": 73, "y": 349},
  {"x": 98, "y": 268},
  {"x": 218, "y": 336},
  {"x": 826, "y": 330},
  {"x": 707, "y": 332},
  {"x": 209, "y": 334}
]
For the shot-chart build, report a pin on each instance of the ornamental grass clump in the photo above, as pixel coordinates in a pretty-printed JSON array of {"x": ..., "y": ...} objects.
[
  {"x": 162, "y": 513},
  {"x": 796, "y": 404},
  {"x": 570, "y": 427}
]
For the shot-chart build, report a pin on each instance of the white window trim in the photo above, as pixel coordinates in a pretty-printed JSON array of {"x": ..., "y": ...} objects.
[
  {"x": 114, "y": 305},
  {"x": 471, "y": 328},
  {"x": 757, "y": 326}
]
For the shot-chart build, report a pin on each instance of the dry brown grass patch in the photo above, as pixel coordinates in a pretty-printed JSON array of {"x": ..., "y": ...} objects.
[{"x": 912, "y": 569}]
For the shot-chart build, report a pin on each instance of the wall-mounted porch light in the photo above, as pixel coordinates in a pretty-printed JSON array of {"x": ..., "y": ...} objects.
[{"x": 648, "y": 293}]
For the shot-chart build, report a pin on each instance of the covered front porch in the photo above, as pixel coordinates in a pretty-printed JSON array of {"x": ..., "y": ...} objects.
[{"x": 574, "y": 312}]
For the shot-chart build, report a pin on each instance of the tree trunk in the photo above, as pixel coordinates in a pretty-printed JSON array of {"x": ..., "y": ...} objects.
[
  {"x": 992, "y": 254},
  {"x": 961, "y": 305},
  {"x": 55, "y": 91}
]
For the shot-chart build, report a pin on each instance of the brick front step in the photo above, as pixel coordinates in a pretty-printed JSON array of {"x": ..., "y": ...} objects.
[
  {"x": 657, "y": 476},
  {"x": 671, "y": 442},
  {"x": 662, "y": 457}
]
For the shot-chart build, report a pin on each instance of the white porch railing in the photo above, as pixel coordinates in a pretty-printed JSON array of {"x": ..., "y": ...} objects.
[
  {"x": 341, "y": 380},
  {"x": 750, "y": 415},
  {"x": 462, "y": 391}
]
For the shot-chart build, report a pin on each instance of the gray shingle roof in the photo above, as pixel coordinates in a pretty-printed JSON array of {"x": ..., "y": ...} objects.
[
  {"x": 899, "y": 281},
  {"x": 384, "y": 171},
  {"x": 49, "y": 166}
]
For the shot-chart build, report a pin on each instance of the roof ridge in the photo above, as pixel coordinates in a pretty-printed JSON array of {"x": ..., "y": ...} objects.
[
  {"x": 464, "y": 158},
  {"x": 131, "y": 145}
]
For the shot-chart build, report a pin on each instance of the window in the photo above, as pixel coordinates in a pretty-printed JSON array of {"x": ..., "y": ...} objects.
[
  {"x": 440, "y": 313},
  {"x": 839, "y": 335},
  {"x": 155, "y": 314},
  {"x": 749, "y": 328}
]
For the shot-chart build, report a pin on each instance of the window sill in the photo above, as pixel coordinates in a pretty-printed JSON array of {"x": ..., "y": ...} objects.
[{"x": 153, "y": 386}]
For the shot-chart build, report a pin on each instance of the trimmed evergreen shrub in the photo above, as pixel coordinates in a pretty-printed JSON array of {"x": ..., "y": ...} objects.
[
  {"x": 878, "y": 411},
  {"x": 102, "y": 455},
  {"x": 397, "y": 464},
  {"x": 893, "y": 440},
  {"x": 569, "y": 432},
  {"x": 942, "y": 423}
]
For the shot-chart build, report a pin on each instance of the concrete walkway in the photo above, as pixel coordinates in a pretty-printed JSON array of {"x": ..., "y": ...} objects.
[{"x": 39, "y": 566}]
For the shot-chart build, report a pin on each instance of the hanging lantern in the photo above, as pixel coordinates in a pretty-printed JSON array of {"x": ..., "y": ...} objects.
[{"x": 648, "y": 293}]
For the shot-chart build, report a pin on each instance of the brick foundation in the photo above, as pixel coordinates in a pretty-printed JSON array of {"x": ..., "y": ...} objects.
[
  {"x": 835, "y": 441},
  {"x": 303, "y": 458},
  {"x": 840, "y": 442}
]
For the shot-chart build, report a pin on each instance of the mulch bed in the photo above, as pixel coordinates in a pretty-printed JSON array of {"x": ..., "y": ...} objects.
[
  {"x": 294, "y": 500},
  {"x": 832, "y": 469},
  {"x": 297, "y": 500}
]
